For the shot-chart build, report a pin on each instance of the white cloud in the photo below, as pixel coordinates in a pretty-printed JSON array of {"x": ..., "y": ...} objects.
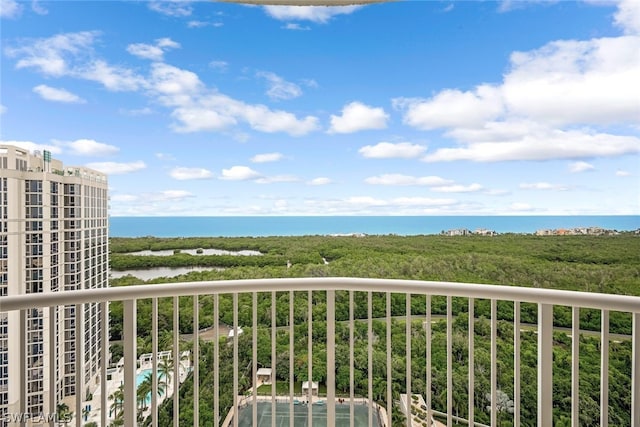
[
  {"x": 276, "y": 179},
  {"x": 574, "y": 82},
  {"x": 51, "y": 56},
  {"x": 152, "y": 52},
  {"x": 318, "y": 14},
  {"x": 126, "y": 198},
  {"x": 199, "y": 109},
  {"x": 165, "y": 156},
  {"x": 422, "y": 201},
  {"x": 457, "y": 188},
  {"x": 320, "y": 181},
  {"x": 628, "y": 16},
  {"x": 71, "y": 55},
  {"x": 267, "y": 157},
  {"x": 57, "y": 95},
  {"x": 175, "y": 8},
  {"x": 279, "y": 88},
  {"x": 399, "y": 179},
  {"x": 169, "y": 195},
  {"x": 10, "y": 9},
  {"x": 357, "y": 116},
  {"x": 543, "y": 186},
  {"x": 114, "y": 78},
  {"x": 89, "y": 147},
  {"x": 560, "y": 101},
  {"x": 114, "y": 168},
  {"x": 136, "y": 112},
  {"x": 183, "y": 174},
  {"x": 3, "y": 109},
  {"x": 520, "y": 207},
  {"x": 538, "y": 144},
  {"x": 577, "y": 167},
  {"x": 295, "y": 27},
  {"x": 388, "y": 150},
  {"x": 32, "y": 146},
  {"x": 221, "y": 66},
  {"x": 623, "y": 173},
  {"x": 37, "y": 7},
  {"x": 452, "y": 108},
  {"x": 239, "y": 173}
]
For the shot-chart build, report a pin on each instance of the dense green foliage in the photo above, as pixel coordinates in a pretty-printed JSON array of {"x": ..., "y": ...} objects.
[{"x": 609, "y": 264}]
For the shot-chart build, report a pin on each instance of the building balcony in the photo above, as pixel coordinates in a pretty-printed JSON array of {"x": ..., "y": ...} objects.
[{"x": 504, "y": 343}]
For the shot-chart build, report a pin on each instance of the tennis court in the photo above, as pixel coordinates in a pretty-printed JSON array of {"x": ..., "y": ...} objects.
[{"x": 300, "y": 414}]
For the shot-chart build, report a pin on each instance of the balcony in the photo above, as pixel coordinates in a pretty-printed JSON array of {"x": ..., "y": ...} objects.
[{"x": 379, "y": 382}]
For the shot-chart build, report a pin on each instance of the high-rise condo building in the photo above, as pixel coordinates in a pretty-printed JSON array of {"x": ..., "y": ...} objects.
[{"x": 53, "y": 238}]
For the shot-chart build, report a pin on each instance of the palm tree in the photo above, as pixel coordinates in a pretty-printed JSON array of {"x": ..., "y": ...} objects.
[
  {"x": 63, "y": 413},
  {"x": 165, "y": 370},
  {"x": 118, "y": 402},
  {"x": 145, "y": 388}
]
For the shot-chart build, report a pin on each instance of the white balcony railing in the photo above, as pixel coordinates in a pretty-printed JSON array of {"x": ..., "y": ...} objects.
[{"x": 544, "y": 299}]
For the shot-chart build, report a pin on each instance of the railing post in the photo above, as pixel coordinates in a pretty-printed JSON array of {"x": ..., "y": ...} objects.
[
  {"x": 449, "y": 362},
  {"x": 604, "y": 368},
  {"x": 130, "y": 336},
  {"x": 176, "y": 361},
  {"x": 331, "y": 358},
  {"x": 545, "y": 365},
  {"x": 635, "y": 372},
  {"x": 516, "y": 364},
  {"x": 195, "y": 360},
  {"x": 494, "y": 362},
  {"x": 575, "y": 367},
  {"x": 471, "y": 338},
  {"x": 154, "y": 365}
]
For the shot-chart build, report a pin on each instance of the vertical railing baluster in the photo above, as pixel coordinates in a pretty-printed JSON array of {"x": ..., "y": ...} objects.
[
  {"x": 216, "y": 361},
  {"x": 545, "y": 365},
  {"x": 176, "y": 361},
  {"x": 52, "y": 365},
  {"x": 79, "y": 312},
  {"x": 129, "y": 335},
  {"x": 449, "y": 362},
  {"x": 604, "y": 368},
  {"x": 471, "y": 365},
  {"x": 575, "y": 366},
  {"x": 494, "y": 363},
  {"x": 310, "y": 357},
  {"x": 351, "y": 409},
  {"x": 291, "y": 344},
  {"x": 428, "y": 351},
  {"x": 516, "y": 364},
  {"x": 236, "y": 413},
  {"x": 331, "y": 358},
  {"x": 196, "y": 361},
  {"x": 635, "y": 371},
  {"x": 254, "y": 352},
  {"x": 370, "y": 354},
  {"x": 389, "y": 366},
  {"x": 22, "y": 402},
  {"x": 407, "y": 331},
  {"x": 274, "y": 325},
  {"x": 154, "y": 363},
  {"x": 104, "y": 356}
]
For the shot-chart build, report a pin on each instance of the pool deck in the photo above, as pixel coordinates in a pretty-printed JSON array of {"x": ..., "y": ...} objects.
[{"x": 117, "y": 379}]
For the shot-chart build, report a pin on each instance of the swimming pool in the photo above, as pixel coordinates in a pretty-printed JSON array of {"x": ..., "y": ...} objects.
[{"x": 140, "y": 378}]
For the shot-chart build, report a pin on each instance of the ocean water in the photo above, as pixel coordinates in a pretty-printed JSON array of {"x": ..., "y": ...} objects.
[{"x": 248, "y": 226}]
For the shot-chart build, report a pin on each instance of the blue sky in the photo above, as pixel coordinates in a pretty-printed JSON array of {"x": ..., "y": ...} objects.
[{"x": 402, "y": 108}]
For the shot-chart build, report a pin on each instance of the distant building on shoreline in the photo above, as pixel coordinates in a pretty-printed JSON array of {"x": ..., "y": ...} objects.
[
  {"x": 467, "y": 232},
  {"x": 577, "y": 231}
]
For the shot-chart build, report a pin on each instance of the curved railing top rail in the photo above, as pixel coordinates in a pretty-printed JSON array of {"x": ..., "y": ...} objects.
[{"x": 470, "y": 290}]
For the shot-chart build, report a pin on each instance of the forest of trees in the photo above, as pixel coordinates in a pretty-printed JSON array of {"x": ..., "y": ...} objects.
[{"x": 609, "y": 264}]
